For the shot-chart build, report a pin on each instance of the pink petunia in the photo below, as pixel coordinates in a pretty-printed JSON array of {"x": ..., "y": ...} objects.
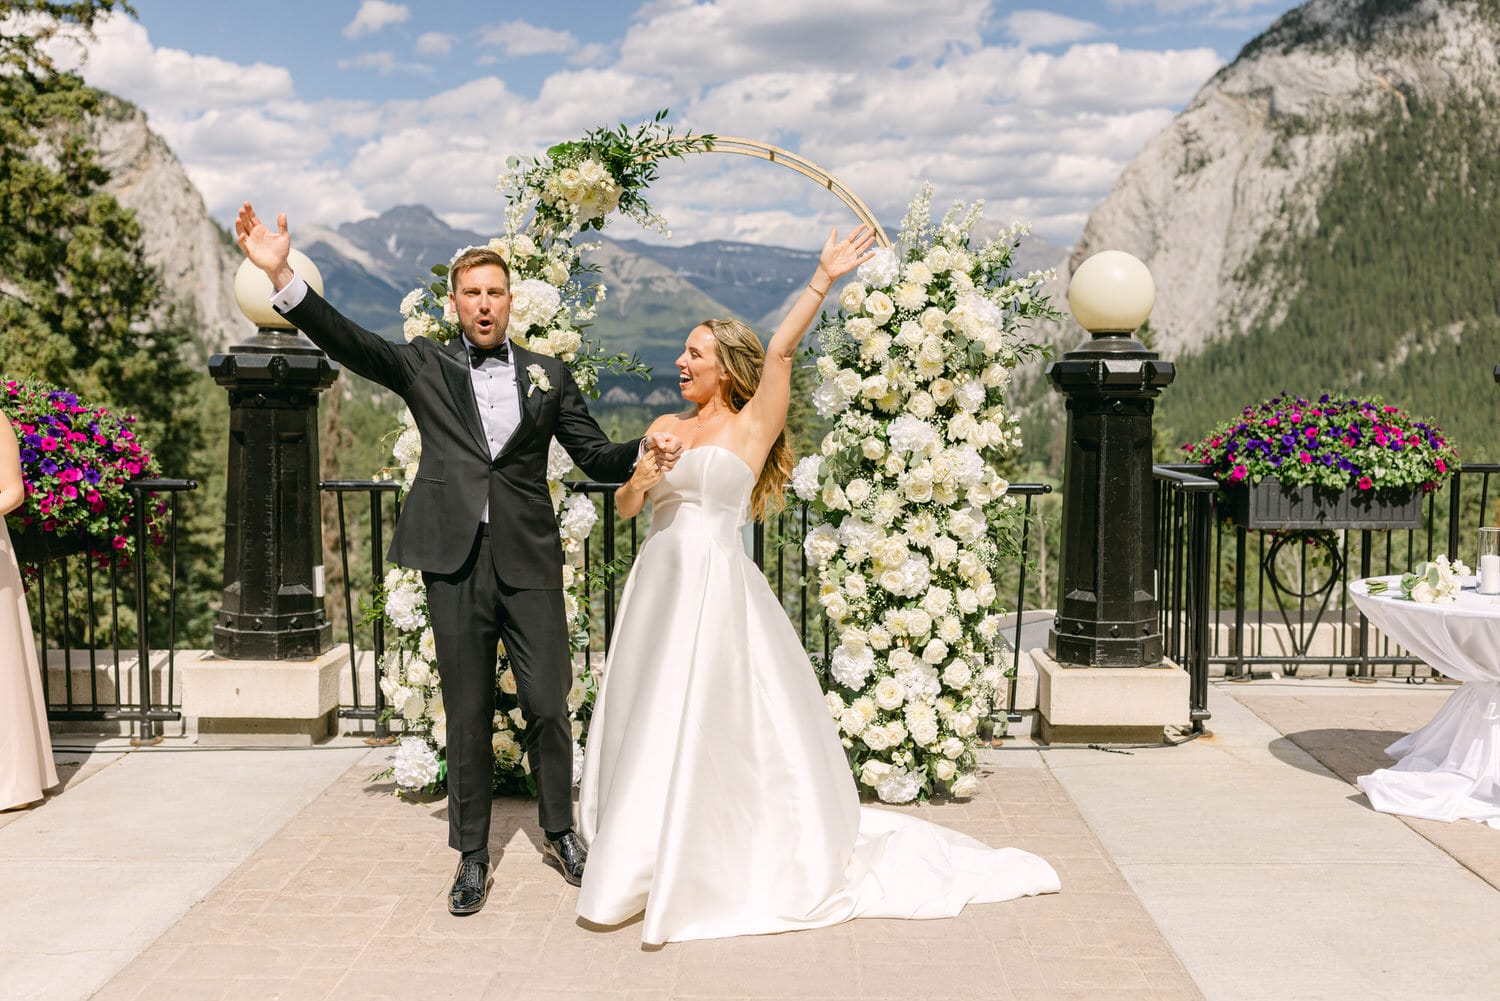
[
  {"x": 1365, "y": 483},
  {"x": 1238, "y": 473},
  {"x": 120, "y": 542}
]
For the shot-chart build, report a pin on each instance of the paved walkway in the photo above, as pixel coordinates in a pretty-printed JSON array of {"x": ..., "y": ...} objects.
[{"x": 1235, "y": 867}]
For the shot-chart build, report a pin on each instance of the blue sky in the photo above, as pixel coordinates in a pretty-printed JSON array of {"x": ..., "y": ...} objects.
[{"x": 338, "y": 109}]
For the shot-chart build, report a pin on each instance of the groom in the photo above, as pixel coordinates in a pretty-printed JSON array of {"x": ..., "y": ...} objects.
[{"x": 479, "y": 523}]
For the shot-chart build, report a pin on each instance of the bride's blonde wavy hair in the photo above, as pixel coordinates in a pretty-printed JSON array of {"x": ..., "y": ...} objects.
[{"x": 743, "y": 359}]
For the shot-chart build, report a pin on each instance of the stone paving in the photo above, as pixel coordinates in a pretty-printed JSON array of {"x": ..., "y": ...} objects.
[
  {"x": 349, "y": 901},
  {"x": 1239, "y": 867},
  {"x": 1348, "y": 734}
]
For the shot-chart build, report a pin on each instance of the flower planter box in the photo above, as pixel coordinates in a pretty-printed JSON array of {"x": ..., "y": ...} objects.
[
  {"x": 42, "y": 547},
  {"x": 1271, "y": 504}
]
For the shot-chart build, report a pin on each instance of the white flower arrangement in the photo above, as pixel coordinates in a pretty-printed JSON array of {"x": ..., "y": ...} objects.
[
  {"x": 1437, "y": 580},
  {"x": 915, "y": 514},
  {"x": 550, "y": 200}
]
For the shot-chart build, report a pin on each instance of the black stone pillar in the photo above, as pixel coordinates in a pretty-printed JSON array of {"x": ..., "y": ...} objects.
[
  {"x": 1108, "y": 613},
  {"x": 273, "y": 544}
]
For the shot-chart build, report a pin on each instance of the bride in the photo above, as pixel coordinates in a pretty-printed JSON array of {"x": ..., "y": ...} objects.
[{"x": 716, "y": 796}]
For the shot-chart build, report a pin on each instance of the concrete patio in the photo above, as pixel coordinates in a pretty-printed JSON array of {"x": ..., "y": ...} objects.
[{"x": 1239, "y": 866}]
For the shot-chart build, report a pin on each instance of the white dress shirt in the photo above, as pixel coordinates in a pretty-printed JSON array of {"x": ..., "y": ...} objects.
[{"x": 494, "y": 381}]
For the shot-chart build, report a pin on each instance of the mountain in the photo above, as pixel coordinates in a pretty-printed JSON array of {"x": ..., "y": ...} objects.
[
  {"x": 1321, "y": 216},
  {"x": 195, "y": 257}
]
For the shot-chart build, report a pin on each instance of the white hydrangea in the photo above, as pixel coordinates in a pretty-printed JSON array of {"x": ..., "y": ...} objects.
[
  {"x": 900, "y": 786},
  {"x": 559, "y": 462},
  {"x": 408, "y": 447},
  {"x": 578, "y": 517},
  {"x": 404, "y": 606},
  {"x": 805, "y": 477},
  {"x": 533, "y": 304},
  {"x": 881, "y": 270},
  {"x": 414, "y": 763},
  {"x": 851, "y": 666},
  {"x": 821, "y": 544}
]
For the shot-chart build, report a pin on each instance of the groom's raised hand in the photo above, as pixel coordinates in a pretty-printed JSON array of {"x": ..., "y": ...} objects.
[{"x": 267, "y": 249}]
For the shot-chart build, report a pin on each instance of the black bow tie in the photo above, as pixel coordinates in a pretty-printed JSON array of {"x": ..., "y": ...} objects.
[{"x": 500, "y": 351}]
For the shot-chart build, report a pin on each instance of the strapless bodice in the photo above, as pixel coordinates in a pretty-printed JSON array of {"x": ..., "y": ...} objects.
[{"x": 707, "y": 493}]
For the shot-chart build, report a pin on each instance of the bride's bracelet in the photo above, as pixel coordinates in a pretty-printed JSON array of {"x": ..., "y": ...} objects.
[{"x": 820, "y": 292}]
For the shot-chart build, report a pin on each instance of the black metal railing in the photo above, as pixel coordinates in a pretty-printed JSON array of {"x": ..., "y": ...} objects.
[
  {"x": 775, "y": 546},
  {"x": 77, "y": 599},
  {"x": 1184, "y": 543},
  {"x": 1278, "y": 601},
  {"x": 368, "y": 563}
]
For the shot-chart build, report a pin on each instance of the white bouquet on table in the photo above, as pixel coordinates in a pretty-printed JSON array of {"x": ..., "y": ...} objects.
[{"x": 1438, "y": 579}]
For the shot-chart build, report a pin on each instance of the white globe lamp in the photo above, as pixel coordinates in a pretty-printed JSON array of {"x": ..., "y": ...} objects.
[
  {"x": 253, "y": 291},
  {"x": 1111, "y": 293}
]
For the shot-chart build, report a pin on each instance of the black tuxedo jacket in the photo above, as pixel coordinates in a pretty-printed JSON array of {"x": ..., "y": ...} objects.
[{"x": 455, "y": 476}]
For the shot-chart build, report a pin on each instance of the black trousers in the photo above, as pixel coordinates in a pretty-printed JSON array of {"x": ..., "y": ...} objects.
[{"x": 471, "y": 610}]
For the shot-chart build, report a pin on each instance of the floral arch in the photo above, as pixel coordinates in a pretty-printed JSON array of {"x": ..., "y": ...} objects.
[{"x": 914, "y": 519}]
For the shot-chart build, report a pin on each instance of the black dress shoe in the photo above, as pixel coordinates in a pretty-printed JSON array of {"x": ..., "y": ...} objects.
[
  {"x": 566, "y": 852},
  {"x": 471, "y": 887}
]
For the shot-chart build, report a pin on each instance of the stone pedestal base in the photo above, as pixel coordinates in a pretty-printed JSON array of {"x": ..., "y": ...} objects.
[
  {"x": 271, "y": 702},
  {"x": 1108, "y": 704}
]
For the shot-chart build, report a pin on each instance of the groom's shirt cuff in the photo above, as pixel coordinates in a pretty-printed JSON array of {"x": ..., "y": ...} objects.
[{"x": 291, "y": 296}]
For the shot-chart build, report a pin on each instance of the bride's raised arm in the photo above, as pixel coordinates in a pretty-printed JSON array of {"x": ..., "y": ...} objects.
[{"x": 766, "y": 410}]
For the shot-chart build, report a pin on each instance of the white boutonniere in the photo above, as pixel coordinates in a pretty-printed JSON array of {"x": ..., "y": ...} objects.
[{"x": 539, "y": 380}]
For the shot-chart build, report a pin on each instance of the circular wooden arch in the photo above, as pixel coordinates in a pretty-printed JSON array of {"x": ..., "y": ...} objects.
[{"x": 805, "y": 167}]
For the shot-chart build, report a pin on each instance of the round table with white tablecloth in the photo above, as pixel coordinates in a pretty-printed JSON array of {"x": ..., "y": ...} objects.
[{"x": 1450, "y": 768}]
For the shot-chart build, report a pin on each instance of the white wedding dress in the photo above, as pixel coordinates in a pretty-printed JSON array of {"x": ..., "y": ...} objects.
[{"x": 715, "y": 793}]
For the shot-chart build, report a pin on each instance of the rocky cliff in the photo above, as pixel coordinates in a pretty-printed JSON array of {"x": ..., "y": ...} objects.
[
  {"x": 195, "y": 258},
  {"x": 1243, "y": 168},
  {"x": 1321, "y": 215}
]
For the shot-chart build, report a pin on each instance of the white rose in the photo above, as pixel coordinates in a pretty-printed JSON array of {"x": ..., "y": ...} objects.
[
  {"x": 965, "y": 723},
  {"x": 943, "y": 769},
  {"x": 873, "y": 772},
  {"x": 920, "y": 404},
  {"x": 968, "y": 601},
  {"x": 555, "y": 272},
  {"x": 944, "y": 550},
  {"x": 924, "y": 732},
  {"x": 889, "y": 694},
  {"x": 852, "y": 298},
  {"x": 880, "y": 307},
  {"x": 879, "y": 638},
  {"x": 821, "y": 544},
  {"x": 935, "y": 652},
  {"x": 857, "y": 492},
  {"x": 918, "y": 622},
  {"x": 851, "y": 722},
  {"x": 936, "y": 601},
  {"x": 964, "y": 786},
  {"x": 957, "y": 674},
  {"x": 833, "y": 497},
  {"x": 952, "y": 748}
]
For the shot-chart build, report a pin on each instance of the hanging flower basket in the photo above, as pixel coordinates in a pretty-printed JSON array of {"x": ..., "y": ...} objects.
[
  {"x": 1273, "y": 505},
  {"x": 1293, "y": 463},
  {"x": 36, "y": 547},
  {"x": 77, "y": 461}
]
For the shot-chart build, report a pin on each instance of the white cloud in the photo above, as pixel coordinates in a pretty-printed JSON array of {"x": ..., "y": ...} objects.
[
  {"x": 383, "y": 62},
  {"x": 698, "y": 42},
  {"x": 374, "y": 15},
  {"x": 434, "y": 43},
  {"x": 520, "y": 38},
  {"x": 1040, "y": 28},
  {"x": 1040, "y": 136}
]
